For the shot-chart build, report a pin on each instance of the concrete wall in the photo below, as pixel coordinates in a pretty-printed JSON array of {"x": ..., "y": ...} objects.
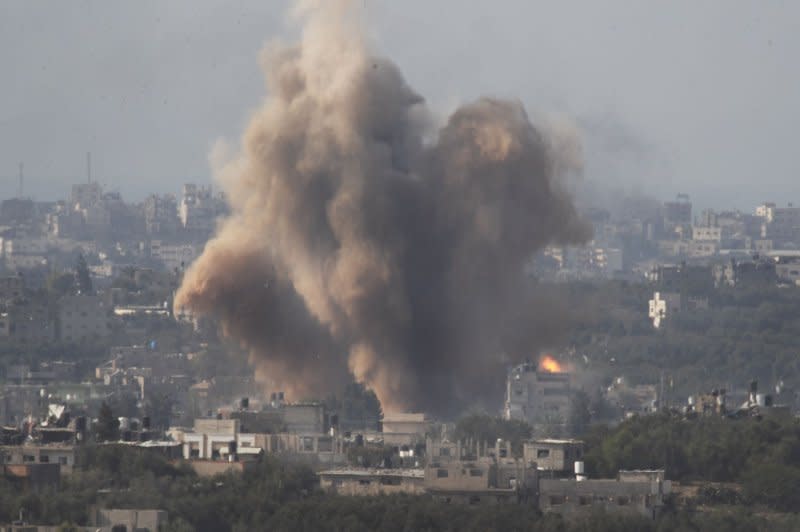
[
  {"x": 378, "y": 484},
  {"x": 572, "y": 497},
  {"x": 553, "y": 455},
  {"x": 139, "y": 520},
  {"x": 304, "y": 418}
]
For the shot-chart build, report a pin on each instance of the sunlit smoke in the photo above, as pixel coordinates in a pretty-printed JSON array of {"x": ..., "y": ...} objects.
[{"x": 359, "y": 248}]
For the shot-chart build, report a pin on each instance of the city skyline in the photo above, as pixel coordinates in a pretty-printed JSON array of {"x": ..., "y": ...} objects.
[{"x": 149, "y": 89}]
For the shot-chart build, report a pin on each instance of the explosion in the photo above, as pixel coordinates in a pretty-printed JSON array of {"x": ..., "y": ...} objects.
[
  {"x": 550, "y": 365},
  {"x": 364, "y": 243}
]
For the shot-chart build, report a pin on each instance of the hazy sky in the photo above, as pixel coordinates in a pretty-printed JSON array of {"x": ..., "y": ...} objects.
[{"x": 700, "y": 97}]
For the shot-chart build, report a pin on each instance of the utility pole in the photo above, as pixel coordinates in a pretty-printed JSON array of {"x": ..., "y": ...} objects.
[{"x": 21, "y": 180}]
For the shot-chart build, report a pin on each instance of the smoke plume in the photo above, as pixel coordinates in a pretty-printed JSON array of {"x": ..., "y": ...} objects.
[{"x": 359, "y": 248}]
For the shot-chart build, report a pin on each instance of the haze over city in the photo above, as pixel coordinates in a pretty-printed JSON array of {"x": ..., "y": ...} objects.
[
  {"x": 361, "y": 265},
  {"x": 696, "y": 98}
]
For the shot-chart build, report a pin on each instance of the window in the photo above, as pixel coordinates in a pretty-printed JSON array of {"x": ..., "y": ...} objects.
[
  {"x": 365, "y": 482},
  {"x": 441, "y": 473},
  {"x": 556, "y": 500},
  {"x": 475, "y": 473},
  {"x": 584, "y": 501},
  {"x": 444, "y": 451},
  {"x": 28, "y": 458},
  {"x": 45, "y": 459},
  {"x": 62, "y": 460},
  {"x": 307, "y": 444},
  {"x": 623, "y": 500},
  {"x": 542, "y": 453},
  {"x": 390, "y": 481}
]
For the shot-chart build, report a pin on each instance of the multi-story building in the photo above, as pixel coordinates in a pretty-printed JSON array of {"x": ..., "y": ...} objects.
[
  {"x": 537, "y": 396},
  {"x": 83, "y": 318},
  {"x": 161, "y": 215},
  {"x": 174, "y": 256},
  {"x": 86, "y": 194},
  {"x": 199, "y": 209},
  {"x": 678, "y": 212}
]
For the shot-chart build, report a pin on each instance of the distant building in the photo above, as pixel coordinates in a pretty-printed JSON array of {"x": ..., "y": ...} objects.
[
  {"x": 199, "y": 209},
  {"x": 475, "y": 476},
  {"x": 59, "y": 454},
  {"x": 537, "y": 396},
  {"x": 133, "y": 520},
  {"x": 175, "y": 256},
  {"x": 706, "y": 234},
  {"x": 678, "y": 212},
  {"x": 358, "y": 481},
  {"x": 86, "y": 194},
  {"x": 781, "y": 224},
  {"x": 556, "y": 457},
  {"x": 161, "y": 215},
  {"x": 631, "y": 493},
  {"x": 82, "y": 318},
  {"x": 663, "y": 305},
  {"x": 632, "y": 399},
  {"x": 788, "y": 272},
  {"x": 404, "y": 428}
]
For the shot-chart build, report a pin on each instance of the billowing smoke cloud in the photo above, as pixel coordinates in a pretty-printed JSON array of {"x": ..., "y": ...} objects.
[{"x": 357, "y": 249}]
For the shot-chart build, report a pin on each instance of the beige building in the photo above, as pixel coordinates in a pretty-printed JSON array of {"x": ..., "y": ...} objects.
[
  {"x": 373, "y": 481},
  {"x": 631, "y": 493},
  {"x": 537, "y": 396},
  {"x": 404, "y": 428},
  {"x": 554, "y": 456}
]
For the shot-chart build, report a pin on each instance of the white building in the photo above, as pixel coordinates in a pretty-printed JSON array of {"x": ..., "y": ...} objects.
[
  {"x": 663, "y": 305},
  {"x": 706, "y": 234},
  {"x": 174, "y": 255}
]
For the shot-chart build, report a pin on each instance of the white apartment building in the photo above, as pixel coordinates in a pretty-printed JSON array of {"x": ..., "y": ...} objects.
[{"x": 663, "y": 305}]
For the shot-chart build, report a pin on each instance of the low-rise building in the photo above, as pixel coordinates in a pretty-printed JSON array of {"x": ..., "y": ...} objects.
[
  {"x": 60, "y": 455},
  {"x": 631, "y": 493},
  {"x": 134, "y": 520},
  {"x": 404, "y": 428},
  {"x": 557, "y": 457},
  {"x": 351, "y": 481}
]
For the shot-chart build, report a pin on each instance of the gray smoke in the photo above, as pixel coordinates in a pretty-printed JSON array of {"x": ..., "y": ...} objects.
[{"x": 356, "y": 249}]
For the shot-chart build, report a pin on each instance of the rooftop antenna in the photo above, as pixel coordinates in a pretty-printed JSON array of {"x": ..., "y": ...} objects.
[
  {"x": 21, "y": 179},
  {"x": 89, "y": 166}
]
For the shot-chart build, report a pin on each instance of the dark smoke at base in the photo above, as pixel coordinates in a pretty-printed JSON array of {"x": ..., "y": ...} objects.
[{"x": 356, "y": 249}]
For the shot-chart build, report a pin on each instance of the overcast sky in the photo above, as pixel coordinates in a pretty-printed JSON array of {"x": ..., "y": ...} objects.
[{"x": 681, "y": 96}]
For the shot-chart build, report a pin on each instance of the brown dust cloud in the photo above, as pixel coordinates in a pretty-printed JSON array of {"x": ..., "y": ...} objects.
[{"x": 367, "y": 241}]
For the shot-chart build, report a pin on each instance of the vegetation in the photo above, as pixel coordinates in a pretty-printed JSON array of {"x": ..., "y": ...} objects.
[
  {"x": 761, "y": 454},
  {"x": 282, "y": 496},
  {"x": 747, "y": 333}
]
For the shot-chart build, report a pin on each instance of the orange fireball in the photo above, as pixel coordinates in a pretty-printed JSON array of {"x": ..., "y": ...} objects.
[{"x": 550, "y": 365}]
